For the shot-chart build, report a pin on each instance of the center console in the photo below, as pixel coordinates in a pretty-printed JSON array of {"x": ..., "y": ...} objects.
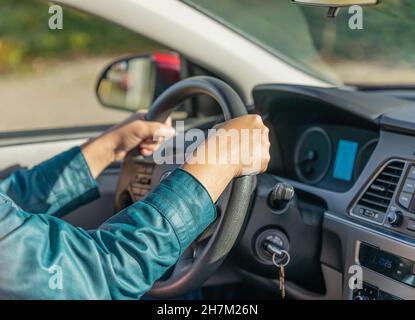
[
  {"x": 369, "y": 292},
  {"x": 140, "y": 184},
  {"x": 388, "y": 200},
  {"x": 388, "y": 264},
  {"x": 378, "y": 233},
  {"x": 367, "y": 196}
]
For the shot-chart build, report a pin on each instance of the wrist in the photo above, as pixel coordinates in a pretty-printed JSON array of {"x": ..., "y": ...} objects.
[
  {"x": 214, "y": 178},
  {"x": 99, "y": 153},
  {"x": 112, "y": 144}
]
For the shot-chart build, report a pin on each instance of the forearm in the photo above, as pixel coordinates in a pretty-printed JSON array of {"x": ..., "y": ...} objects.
[
  {"x": 214, "y": 178},
  {"x": 54, "y": 187},
  {"x": 210, "y": 172},
  {"x": 119, "y": 260}
]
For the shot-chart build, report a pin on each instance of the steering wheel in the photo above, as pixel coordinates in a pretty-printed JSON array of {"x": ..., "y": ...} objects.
[{"x": 209, "y": 251}]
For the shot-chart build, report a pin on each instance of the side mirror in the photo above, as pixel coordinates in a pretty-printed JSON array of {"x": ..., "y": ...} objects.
[{"x": 133, "y": 83}]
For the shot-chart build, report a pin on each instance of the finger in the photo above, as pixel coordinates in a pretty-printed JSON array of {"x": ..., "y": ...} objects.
[
  {"x": 163, "y": 133},
  {"x": 150, "y": 144},
  {"x": 152, "y": 140},
  {"x": 151, "y": 147},
  {"x": 155, "y": 130},
  {"x": 148, "y": 150},
  {"x": 266, "y": 156},
  {"x": 145, "y": 152},
  {"x": 168, "y": 122}
]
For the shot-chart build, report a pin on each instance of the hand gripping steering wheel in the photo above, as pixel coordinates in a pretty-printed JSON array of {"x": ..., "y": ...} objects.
[{"x": 208, "y": 252}]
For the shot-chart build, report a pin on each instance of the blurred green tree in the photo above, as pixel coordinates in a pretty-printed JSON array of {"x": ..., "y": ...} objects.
[{"x": 25, "y": 36}]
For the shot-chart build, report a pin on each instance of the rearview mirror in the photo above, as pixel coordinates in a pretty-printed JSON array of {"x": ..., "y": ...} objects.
[
  {"x": 336, "y": 3},
  {"x": 133, "y": 83}
]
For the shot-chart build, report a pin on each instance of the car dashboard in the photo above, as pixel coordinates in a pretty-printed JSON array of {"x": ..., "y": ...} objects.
[{"x": 351, "y": 158}]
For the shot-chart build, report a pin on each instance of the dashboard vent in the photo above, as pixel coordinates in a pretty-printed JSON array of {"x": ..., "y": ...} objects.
[{"x": 379, "y": 194}]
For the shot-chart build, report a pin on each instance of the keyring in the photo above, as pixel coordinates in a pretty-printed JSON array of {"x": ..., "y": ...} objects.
[{"x": 279, "y": 264}]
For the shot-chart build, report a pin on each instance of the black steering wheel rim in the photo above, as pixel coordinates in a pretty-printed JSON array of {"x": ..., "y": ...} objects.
[{"x": 232, "y": 220}]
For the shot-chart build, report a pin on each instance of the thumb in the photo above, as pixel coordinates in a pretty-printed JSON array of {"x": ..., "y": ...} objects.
[{"x": 156, "y": 130}]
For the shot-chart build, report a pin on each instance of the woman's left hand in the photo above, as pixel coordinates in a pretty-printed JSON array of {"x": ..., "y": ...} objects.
[{"x": 114, "y": 144}]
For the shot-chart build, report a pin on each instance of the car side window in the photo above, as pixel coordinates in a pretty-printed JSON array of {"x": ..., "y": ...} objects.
[{"x": 48, "y": 77}]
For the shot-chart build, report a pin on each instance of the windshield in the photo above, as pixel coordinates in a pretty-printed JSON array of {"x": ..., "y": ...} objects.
[{"x": 382, "y": 53}]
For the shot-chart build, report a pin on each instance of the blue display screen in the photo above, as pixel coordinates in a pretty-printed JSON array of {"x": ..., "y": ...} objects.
[{"x": 345, "y": 160}]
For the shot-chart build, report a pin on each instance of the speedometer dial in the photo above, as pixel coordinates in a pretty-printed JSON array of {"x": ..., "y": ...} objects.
[
  {"x": 364, "y": 156},
  {"x": 313, "y": 155}
]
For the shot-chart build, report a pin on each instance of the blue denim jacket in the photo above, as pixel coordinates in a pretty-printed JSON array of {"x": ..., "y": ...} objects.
[{"x": 44, "y": 257}]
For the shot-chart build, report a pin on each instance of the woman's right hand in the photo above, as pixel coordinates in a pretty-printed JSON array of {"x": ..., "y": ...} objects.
[
  {"x": 251, "y": 150},
  {"x": 235, "y": 148}
]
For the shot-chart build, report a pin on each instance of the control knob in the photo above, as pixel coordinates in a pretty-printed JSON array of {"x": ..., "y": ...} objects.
[
  {"x": 395, "y": 218},
  {"x": 281, "y": 195}
]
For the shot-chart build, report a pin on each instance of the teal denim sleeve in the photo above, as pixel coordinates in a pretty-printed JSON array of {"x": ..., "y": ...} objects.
[
  {"x": 43, "y": 257},
  {"x": 54, "y": 187}
]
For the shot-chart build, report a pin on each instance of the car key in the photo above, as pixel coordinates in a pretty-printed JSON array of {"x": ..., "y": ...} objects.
[
  {"x": 282, "y": 280},
  {"x": 281, "y": 264}
]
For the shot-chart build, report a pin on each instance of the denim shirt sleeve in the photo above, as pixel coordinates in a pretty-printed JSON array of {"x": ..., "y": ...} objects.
[
  {"x": 47, "y": 258},
  {"x": 55, "y": 187}
]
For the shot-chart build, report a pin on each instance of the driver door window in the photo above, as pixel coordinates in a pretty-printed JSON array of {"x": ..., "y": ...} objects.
[{"x": 47, "y": 89}]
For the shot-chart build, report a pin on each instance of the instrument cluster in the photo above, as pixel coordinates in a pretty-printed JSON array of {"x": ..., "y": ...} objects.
[
  {"x": 332, "y": 154},
  {"x": 328, "y": 156}
]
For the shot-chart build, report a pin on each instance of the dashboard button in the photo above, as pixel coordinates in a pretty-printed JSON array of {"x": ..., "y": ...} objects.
[
  {"x": 149, "y": 169},
  {"x": 409, "y": 186},
  {"x": 379, "y": 217},
  {"x": 140, "y": 168},
  {"x": 370, "y": 214},
  {"x": 144, "y": 180},
  {"x": 411, "y": 174},
  {"x": 405, "y": 199},
  {"x": 411, "y": 225}
]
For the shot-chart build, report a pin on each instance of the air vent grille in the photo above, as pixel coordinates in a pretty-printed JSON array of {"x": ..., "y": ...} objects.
[{"x": 379, "y": 194}]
